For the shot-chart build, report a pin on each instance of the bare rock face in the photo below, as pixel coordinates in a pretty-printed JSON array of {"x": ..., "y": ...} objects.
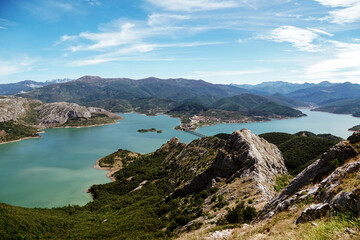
[
  {"x": 103, "y": 111},
  {"x": 247, "y": 157},
  {"x": 12, "y": 109},
  {"x": 51, "y": 114},
  {"x": 329, "y": 181}
]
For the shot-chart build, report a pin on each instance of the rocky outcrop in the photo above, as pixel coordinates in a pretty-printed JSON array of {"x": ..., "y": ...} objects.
[
  {"x": 13, "y": 109},
  {"x": 247, "y": 157},
  {"x": 314, "y": 212},
  {"x": 330, "y": 181},
  {"x": 35, "y": 113},
  {"x": 52, "y": 114}
]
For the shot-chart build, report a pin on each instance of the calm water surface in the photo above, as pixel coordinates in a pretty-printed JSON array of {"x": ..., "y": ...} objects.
[
  {"x": 56, "y": 169},
  {"x": 316, "y": 122}
]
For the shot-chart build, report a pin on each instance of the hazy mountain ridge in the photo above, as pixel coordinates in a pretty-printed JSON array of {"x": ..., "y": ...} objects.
[
  {"x": 27, "y": 85},
  {"x": 341, "y": 98}
]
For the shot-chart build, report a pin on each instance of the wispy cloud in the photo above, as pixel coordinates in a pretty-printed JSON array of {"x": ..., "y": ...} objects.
[
  {"x": 191, "y": 5},
  {"x": 320, "y": 31},
  {"x": 132, "y": 53},
  {"x": 349, "y": 12},
  {"x": 123, "y": 38},
  {"x": 50, "y": 10},
  {"x": 16, "y": 65},
  {"x": 166, "y": 19},
  {"x": 1, "y": 27},
  {"x": 344, "y": 65},
  {"x": 227, "y": 73},
  {"x": 300, "y": 38}
]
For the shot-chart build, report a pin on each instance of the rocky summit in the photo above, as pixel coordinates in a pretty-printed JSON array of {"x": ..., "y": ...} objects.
[{"x": 247, "y": 158}]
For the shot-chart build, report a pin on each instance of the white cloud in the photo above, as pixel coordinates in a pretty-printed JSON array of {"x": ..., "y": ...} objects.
[
  {"x": 298, "y": 37},
  {"x": 194, "y": 5},
  {"x": 346, "y": 15},
  {"x": 136, "y": 53},
  {"x": 343, "y": 66},
  {"x": 349, "y": 12},
  {"x": 17, "y": 65},
  {"x": 337, "y": 3},
  {"x": 1, "y": 27}
]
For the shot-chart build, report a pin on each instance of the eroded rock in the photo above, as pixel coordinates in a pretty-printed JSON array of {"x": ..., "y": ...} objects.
[{"x": 314, "y": 212}]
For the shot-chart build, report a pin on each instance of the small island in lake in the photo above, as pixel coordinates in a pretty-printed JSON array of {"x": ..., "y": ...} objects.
[{"x": 149, "y": 130}]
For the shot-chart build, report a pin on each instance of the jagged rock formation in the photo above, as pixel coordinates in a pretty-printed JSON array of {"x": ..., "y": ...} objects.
[
  {"x": 13, "y": 109},
  {"x": 247, "y": 157},
  {"x": 331, "y": 182}
]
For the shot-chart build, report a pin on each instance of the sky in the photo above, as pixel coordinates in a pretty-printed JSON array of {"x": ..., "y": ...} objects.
[{"x": 219, "y": 41}]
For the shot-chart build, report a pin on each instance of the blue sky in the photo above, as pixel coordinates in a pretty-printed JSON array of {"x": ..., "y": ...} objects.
[{"x": 220, "y": 41}]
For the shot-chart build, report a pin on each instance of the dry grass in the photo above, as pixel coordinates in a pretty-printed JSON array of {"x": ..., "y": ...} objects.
[{"x": 281, "y": 227}]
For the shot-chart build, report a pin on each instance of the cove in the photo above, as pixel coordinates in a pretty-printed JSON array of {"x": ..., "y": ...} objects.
[{"x": 56, "y": 169}]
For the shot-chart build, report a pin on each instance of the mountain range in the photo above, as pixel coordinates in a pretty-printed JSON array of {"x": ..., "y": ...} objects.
[
  {"x": 27, "y": 85},
  {"x": 152, "y": 95}
]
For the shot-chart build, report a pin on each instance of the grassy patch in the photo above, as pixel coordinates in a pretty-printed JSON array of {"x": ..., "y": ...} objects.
[
  {"x": 96, "y": 119},
  {"x": 10, "y": 131},
  {"x": 281, "y": 182}
]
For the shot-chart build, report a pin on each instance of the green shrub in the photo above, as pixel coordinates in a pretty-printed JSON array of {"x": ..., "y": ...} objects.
[{"x": 241, "y": 214}]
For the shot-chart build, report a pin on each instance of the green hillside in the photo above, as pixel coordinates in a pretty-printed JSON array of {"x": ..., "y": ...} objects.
[
  {"x": 254, "y": 105},
  {"x": 301, "y": 149},
  {"x": 348, "y": 106}
]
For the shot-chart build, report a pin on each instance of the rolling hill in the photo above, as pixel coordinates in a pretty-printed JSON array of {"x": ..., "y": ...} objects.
[{"x": 251, "y": 104}]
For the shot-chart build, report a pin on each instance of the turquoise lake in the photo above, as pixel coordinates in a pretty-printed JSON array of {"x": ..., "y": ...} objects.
[{"x": 56, "y": 169}]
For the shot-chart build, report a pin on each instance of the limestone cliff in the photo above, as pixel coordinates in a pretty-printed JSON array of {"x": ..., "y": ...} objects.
[
  {"x": 51, "y": 114},
  {"x": 37, "y": 114},
  {"x": 13, "y": 109}
]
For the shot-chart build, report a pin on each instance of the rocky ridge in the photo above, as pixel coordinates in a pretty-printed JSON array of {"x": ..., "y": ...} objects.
[
  {"x": 330, "y": 184},
  {"x": 243, "y": 167},
  {"x": 21, "y": 118},
  {"x": 245, "y": 157}
]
